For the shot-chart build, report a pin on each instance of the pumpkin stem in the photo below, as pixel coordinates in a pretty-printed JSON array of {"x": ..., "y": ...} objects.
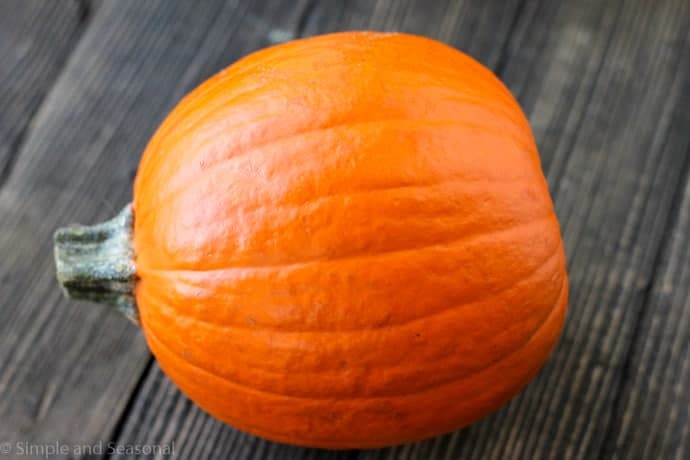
[{"x": 96, "y": 263}]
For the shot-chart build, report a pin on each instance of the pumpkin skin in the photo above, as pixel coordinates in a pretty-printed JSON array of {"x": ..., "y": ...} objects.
[{"x": 347, "y": 241}]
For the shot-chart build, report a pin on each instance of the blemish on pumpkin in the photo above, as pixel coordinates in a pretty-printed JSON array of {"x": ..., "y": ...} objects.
[
  {"x": 383, "y": 322},
  {"x": 251, "y": 321}
]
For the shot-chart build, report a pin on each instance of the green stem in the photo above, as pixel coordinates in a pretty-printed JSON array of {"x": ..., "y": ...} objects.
[{"x": 96, "y": 263}]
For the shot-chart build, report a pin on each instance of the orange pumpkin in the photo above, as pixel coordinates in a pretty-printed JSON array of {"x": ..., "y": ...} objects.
[{"x": 347, "y": 241}]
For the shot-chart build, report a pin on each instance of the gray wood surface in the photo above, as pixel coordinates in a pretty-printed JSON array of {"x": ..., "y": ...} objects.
[
  {"x": 36, "y": 38},
  {"x": 651, "y": 417},
  {"x": 606, "y": 86}
]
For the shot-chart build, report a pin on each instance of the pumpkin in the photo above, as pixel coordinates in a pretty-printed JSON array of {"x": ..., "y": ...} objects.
[{"x": 345, "y": 241}]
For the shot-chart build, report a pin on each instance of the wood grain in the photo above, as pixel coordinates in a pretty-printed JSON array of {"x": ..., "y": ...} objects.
[
  {"x": 606, "y": 86},
  {"x": 36, "y": 38},
  {"x": 651, "y": 417}
]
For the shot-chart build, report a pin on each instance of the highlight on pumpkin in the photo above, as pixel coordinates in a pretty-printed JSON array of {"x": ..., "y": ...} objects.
[{"x": 344, "y": 241}]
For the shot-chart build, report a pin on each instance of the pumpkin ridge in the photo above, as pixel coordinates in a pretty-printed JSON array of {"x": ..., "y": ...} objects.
[
  {"x": 500, "y": 226},
  {"x": 191, "y": 180},
  {"x": 554, "y": 310},
  {"x": 448, "y": 72},
  {"x": 440, "y": 361},
  {"x": 321, "y": 440},
  {"x": 391, "y": 326},
  {"x": 346, "y": 193},
  {"x": 191, "y": 125},
  {"x": 142, "y": 268},
  {"x": 385, "y": 188},
  {"x": 227, "y": 76}
]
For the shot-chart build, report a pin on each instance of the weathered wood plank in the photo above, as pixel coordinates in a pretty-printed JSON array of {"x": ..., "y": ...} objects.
[
  {"x": 36, "y": 38},
  {"x": 652, "y": 419},
  {"x": 600, "y": 83}
]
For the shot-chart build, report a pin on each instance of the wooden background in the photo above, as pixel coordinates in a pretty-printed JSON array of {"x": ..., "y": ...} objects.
[{"x": 606, "y": 86}]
